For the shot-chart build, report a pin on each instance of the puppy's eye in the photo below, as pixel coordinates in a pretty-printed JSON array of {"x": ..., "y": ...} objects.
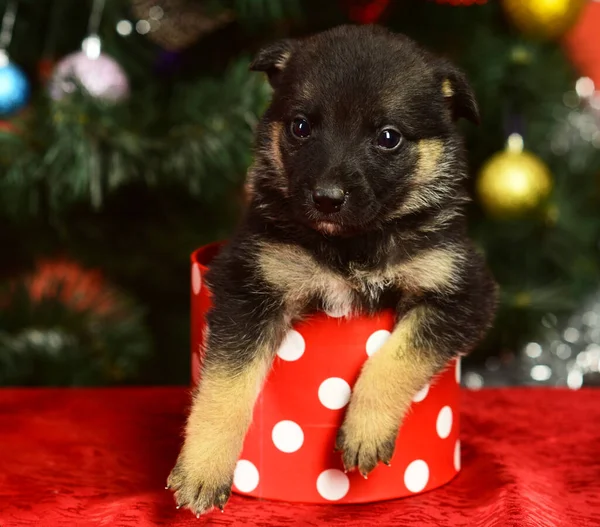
[
  {"x": 389, "y": 139},
  {"x": 300, "y": 127}
]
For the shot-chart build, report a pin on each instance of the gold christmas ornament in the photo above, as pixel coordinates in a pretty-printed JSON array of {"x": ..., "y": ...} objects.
[
  {"x": 513, "y": 182},
  {"x": 176, "y": 24},
  {"x": 546, "y": 19}
]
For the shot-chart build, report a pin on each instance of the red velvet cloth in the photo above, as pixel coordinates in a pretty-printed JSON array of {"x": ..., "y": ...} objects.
[{"x": 531, "y": 457}]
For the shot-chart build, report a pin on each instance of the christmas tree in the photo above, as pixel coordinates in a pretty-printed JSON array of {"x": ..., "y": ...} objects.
[{"x": 126, "y": 129}]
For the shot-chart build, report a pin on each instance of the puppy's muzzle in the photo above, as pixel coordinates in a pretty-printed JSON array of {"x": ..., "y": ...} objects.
[{"x": 328, "y": 200}]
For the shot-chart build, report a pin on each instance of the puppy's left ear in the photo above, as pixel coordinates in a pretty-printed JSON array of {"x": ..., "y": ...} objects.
[
  {"x": 458, "y": 92},
  {"x": 273, "y": 59}
]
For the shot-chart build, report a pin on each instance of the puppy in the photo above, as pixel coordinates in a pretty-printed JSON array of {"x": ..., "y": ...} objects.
[{"x": 356, "y": 201}]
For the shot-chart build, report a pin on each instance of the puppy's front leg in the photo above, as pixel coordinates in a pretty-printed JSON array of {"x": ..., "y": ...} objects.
[
  {"x": 382, "y": 394},
  {"x": 422, "y": 342},
  {"x": 243, "y": 336},
  {"x": 219, "y": 418}
]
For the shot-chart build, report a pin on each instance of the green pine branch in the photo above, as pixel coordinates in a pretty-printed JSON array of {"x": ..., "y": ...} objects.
[{"x": 79, "y": 149}]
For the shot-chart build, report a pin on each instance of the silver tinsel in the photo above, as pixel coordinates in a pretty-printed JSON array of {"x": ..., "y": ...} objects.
[
  {"x": 578, "y": 123},
  {"x": 568, "y": 355}
]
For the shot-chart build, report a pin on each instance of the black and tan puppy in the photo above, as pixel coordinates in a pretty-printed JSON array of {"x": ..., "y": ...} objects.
[{"x": 356, "y": 204}]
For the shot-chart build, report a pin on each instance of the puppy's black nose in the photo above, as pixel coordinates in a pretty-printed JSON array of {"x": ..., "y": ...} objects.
[{"x": 329, "y": 199}]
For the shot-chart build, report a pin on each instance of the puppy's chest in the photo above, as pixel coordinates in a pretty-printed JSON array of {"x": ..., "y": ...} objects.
[
  {"x": 302, "y": 281},
  {"x": 353, "y": 292},
  {"x": 306, "y": 283},
  {"x": 348, "y": 293}
]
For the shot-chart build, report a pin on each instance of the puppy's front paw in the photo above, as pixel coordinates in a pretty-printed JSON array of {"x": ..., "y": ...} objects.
[
  {"x": 363, "y": 448},
  {"x": 200, "y": 484}
]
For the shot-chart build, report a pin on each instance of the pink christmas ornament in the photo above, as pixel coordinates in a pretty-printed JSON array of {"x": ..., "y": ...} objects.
[
  {"x": 98, "y": 74},
  {"x": 288, "y": 452}
]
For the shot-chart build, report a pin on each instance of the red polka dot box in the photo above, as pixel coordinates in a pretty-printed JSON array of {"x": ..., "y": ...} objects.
[{"x": 289, "y": 453}]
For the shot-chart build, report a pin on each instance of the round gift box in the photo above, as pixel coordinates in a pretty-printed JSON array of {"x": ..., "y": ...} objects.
[{"x": 288, "y": 453}]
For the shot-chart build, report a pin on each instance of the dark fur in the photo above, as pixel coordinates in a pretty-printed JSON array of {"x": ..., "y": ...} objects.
[{"x": 350, "y": 82}]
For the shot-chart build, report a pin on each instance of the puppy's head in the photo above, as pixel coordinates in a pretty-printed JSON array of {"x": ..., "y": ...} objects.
[{"x": 360, "y": 130}]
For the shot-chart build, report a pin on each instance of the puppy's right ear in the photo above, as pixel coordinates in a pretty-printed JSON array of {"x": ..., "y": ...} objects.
[
  {"x": 458, "y": 92},
  {"x": 273, "y": 59}
]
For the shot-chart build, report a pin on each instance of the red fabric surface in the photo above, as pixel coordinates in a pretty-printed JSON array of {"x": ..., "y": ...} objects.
[{"x": 531, "y": 457}]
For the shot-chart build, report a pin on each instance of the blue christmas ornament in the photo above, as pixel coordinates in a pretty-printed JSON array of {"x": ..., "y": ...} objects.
[{"x": 14, "y": 86}]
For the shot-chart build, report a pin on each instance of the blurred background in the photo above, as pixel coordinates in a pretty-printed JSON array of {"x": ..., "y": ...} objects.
[{"x": 126, "y": 129}]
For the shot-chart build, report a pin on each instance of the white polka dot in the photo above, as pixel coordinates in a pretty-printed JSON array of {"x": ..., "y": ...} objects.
[
  {"x": 334, "y": 393},
  {"x": 416, "y": 476},
  {"x": 245, "y": 476},
  {"x": 457, "y": 370},
  {"x": 196, "y": 279},
  {"x": 444, "y": 422},
  {"x": 292, "y": 347},
  {"x": 421, "y": 394},
  {"x": 457, "y": 455},
  {"x": 287, "y": 436},
  {"x": 376, "y": 340},
  {"x": 338, "y": 312},
  {"x": 333, "y": 484}
]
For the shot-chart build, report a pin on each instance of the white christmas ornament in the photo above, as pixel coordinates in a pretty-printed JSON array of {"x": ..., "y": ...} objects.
[{"x": 95, "y": 72}]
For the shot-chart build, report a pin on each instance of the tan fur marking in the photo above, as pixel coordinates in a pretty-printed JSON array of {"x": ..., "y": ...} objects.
[
  {"x": 429, "y": 183},
  {"x": 383, "y": 392},
  {"x": 418, "y": 198},
  {"x": 275, "y": 152},
  {"x": 428, "y": 166},
  {"x": 270, "y": 154},
  {"x": 431, "y": 270},
  {"x": 248, "y": 189},
  {"x": 307, "y": 91},
  {"x": 283, "y": 60},
  {"x": 219, "y": 419},
  {"x": 295, "y": 273},
  {"x": 447, "y": 89},
  {"x": 440, "y": 221},
  {"x": 247, "y": 193}
]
